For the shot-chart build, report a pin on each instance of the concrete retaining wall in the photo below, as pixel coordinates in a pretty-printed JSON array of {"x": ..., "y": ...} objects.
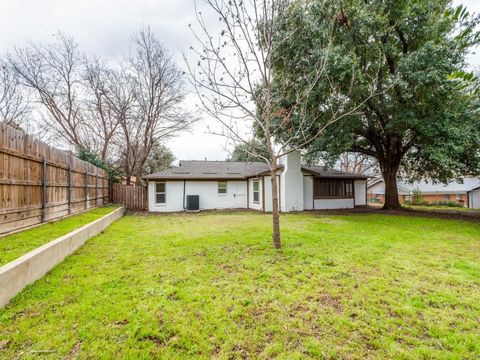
[{"x": 32, "y": 266}]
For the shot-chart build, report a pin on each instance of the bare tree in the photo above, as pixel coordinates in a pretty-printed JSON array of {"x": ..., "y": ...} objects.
[
  {"x": 158, "y": 91},
  {"x": 13, "y": 103},
  {"x": 53, "y": 72},
  {"x": 106, "y": 104},
  {"x": 233, "y": 78},
  {"x": 358, "y": 163}
]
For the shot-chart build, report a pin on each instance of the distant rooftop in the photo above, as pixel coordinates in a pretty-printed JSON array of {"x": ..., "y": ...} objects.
[{"x": 430, "y": 187}]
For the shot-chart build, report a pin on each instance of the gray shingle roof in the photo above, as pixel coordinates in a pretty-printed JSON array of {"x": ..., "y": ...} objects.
[
  {"x": 430, "y": 187},
  {"x": 211, "y": 170},
  {"x": 332, "y": 173},
  {"x": 233, "y": 170}
]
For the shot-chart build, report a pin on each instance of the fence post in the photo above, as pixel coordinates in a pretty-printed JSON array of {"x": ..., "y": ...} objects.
[
  {"x": 69, "y": 190},
  {"x": 86, "y": 186},
  {"x": 44, "y": 189}
]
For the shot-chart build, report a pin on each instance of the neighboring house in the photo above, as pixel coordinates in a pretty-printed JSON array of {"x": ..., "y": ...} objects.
[
  {"x": 466, "y": 193},
  {"x": 247, "y": 185}
]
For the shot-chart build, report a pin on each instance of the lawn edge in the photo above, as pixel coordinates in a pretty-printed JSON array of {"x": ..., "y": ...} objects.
[{"x": 28, "y": 268}]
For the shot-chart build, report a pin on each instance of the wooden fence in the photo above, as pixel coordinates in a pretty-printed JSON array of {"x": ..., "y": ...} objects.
[
  {"x": 39, "y": 183},
  {"x": 133, "y": 197}
]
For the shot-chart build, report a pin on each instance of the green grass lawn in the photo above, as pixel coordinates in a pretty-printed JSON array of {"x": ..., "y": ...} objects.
[
  {"x": 15, "y": 245},
  {"x": 211, "y": 285},
  {"x": 441, "y": 208}
]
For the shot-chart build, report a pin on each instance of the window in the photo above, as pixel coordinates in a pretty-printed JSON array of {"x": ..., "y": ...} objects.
[
  {"x": 256, "y": 192},
  {"x": 160, "y": 195},
  {"x": 447, "y": 197},
  {"x": 332, "y": 188},
  {"x": 222, "y": 187},
  {"x": 458, "y": 197}
]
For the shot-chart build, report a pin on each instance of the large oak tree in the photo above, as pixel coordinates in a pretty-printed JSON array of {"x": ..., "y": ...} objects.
[{"x": 423, "y": 121}]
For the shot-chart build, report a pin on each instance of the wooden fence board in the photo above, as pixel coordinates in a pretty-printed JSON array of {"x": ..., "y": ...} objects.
[
  {"x": 133, "y": 197},
  {"x": 72, "y": 185}
]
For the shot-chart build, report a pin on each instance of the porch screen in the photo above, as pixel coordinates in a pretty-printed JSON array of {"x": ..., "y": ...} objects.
[{"x": 336, "y": 188}]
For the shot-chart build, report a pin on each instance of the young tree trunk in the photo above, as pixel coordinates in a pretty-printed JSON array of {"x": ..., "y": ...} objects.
[
  {"x": 391, "y": 190},
  {"x": 275, "y": 208}
]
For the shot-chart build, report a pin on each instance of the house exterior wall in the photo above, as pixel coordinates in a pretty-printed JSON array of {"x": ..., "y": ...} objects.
[
  {"x": 174, "y": 197},
  {"x": 460, "y": 198},
  {"x": 474, "y": 199},
  {"x": 251, "y": 204},
  {"x": 309, "y": 203},
  {"x": 360, "y": 187},
  {"x": 308, "y": 192},
  {"x": 325, "y": 204},
  {"x": 236, "y": 196},
  {"x": 268, "y": 193},
  {"x": 291, "y": 183}
]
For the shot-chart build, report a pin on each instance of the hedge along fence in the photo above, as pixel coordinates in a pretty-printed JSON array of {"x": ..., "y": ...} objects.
[{"x": 39, "y": 183}]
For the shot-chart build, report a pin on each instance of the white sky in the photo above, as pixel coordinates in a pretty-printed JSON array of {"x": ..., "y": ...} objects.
[{"x": 104, "y": 27}]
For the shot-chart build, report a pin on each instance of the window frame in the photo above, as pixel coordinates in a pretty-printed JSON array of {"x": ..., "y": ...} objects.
[
  {"x": 256, "y": 182},
  {"x": 164, "y": 192},
  {"x": 222, "y": 187},
  {"x": 334, "y": 185}
]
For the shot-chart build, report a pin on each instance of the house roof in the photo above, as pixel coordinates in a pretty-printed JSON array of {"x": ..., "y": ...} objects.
[
  {"x": 193, "y": 169},
  {"x": 428, "y": 187},
  {"x": 232, "y": 170},
  {"x": 332, "y": 173}
]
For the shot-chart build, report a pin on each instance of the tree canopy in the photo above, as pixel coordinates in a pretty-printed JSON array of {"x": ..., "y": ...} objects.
[
  {"x": 253, "y": 150},
  {"x": 424, "y": 117}
]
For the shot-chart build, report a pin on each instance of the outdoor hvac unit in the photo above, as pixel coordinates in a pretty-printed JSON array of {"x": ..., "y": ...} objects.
[{"x": 193, "y": 202}]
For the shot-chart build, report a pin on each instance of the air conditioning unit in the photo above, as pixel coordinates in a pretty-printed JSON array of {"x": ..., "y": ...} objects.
[{"x": 193, "y": 202}]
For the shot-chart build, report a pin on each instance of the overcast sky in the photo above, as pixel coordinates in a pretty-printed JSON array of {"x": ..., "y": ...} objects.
[{"x": 104, "y": 27}]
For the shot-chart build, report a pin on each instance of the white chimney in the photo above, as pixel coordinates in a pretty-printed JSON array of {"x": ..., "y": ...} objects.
[{"x": 291, "y": 182}]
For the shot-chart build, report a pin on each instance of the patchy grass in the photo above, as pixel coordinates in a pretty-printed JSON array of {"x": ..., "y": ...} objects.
[
  {"x": 15, "y": 245},
  {"x": 212, "y": 286}
]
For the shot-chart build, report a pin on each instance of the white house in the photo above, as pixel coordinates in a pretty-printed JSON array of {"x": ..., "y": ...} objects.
[{"x": 202, "y": 185}]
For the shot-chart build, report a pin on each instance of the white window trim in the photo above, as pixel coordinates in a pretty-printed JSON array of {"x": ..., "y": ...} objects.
[
  {"x": 164, "y": 193},
  {"x": 218, "y": 188},
  {"x": 258, "y": 191}
]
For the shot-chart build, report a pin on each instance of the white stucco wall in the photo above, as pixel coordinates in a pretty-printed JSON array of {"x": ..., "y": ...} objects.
[
  {"x": 251, "y": 204},
  {"x": 268, "y": 193},
  {"x": 322, "y": 204},
  {"x": 174, "y": 197},
  {"x": 360, "y": 192},
  {"x": 291, "y": 182},
  {"x": 236, "y": 196},
  {"x": 308, "y": 193},
  {"x": 474, "y": 199}
]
